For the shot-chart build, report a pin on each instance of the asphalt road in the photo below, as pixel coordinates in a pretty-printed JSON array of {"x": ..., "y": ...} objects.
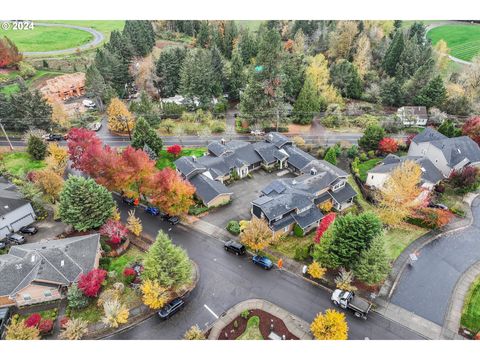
[
  {"x": 426, "y": 288},
  {"x": 226, "y": 280},
  {"x": 97, "y": 40}
]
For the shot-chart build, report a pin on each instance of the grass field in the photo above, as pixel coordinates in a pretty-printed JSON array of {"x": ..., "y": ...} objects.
[
  {"x": 463, "y": 40},
  {"x": 20, "y": 163},
  {"x": 397, "y": 239},
  {"x": 43, "y": 38},
  {"x": 366, "y": 166},
  {"x": 252, "y": 25},
  {"x": 39, "y": 75},
  {"x": 471, "y": 308},
  {"x": 104, "y": 26}
]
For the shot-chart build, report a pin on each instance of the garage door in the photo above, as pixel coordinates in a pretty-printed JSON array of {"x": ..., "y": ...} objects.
[
  {"x": 4, "y": 231},
  {"x": 26, "y": 220}
]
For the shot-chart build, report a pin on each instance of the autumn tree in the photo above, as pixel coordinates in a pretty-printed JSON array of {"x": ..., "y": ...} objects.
[
  {"x": 57, "y": 158},
  {"x": 317, "y": 71},
  {"x": 194, "y": 333},
  {"x": 373, "y": 265},
  {"x": 50, "y": 182},
  {"x": 362, "y": 58},
  {"x": 153, "y": 294},
  {"x": 174, "y": 149},
  {"x": 144, "y": 134},
  {"x": 119, "y": 118},
  {"x": 9, "y": 54},
  {"x": 465, "y": 180},
  {"x": 134, "y": 172},
  {"x": 472, "y": 129},
  {"x": 75, "y": 329},
  {"x": 167, "y": 263},
  {"x": 324, "y": 225},
  {"x": 84, "y": 204},
  {"x": 442, "y": 53},
  {"x": 399, "y": 195},
  {"x": 388, "y": 145},
  {"x": 91, "y": 283},
  {"x": 115, "y": 231},
  {"x": 330, "y": 326},
  {"x": 18, "y": 330},
  {"x": 134, "y": 224},
  {"x": 315, "y": 270},
  {"x": 341, "y": 39},
  {"x": 83, "y": 146},
  {"x": 59, "y": 115},
  {"x": 172, "y": 194},
  {"x": 344, "y": 280},
  {"x": 257, "y": 235},
  {"x": 115, "y": 313}
]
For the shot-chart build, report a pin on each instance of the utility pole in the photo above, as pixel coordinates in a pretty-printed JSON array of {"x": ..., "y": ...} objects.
[{"x": 6, "y": 136}]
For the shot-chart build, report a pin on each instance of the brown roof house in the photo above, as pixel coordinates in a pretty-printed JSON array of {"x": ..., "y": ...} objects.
[{"x": 39, "y": 272}]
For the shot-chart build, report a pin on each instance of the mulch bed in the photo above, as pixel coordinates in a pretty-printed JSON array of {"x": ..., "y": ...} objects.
[{"x": 265, "y": 321}]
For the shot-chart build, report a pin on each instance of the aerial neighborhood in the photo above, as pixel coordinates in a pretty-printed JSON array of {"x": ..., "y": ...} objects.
[{"x": 239, "y": 180}]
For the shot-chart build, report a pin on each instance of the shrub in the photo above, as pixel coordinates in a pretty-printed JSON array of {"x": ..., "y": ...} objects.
[
  {"x": 76, "y": 298},
  {"x": 33, "y": 320},
  {"x": 45, "y": 326},
  {"x": 174, "y": 150},
  {"x": 363, "y": 156},
  {"x": 91, "y": 283},
  {"x": 75, "y": 329},
  {"x": 217, "y": 126},
  {"x": 388, "y": 145},
  {"x": 36, "y": 147},
  {"x": 323, "y": 226},
  {"x": 115, "y": 231},
  {"x": 233, "y": 227},
  {"x": 194, "y": 333},
  {"x": 302, "y": 253},
  {"x": 344, "y": 280},
  {"x": 253, "y": 321},
  {"x": 297, "y": 231},
  {"x": 315, "y": 270},
  {"x": 465, "y": 180},
  {"x": 26, "y": 70},
  {"x": 17, "y": 330},
  {"x": 371, "y": 154},
  {"x": 245, "y": 314},
  {"x": 129, "y": 274},
  {"x": 352, "y": 152}
]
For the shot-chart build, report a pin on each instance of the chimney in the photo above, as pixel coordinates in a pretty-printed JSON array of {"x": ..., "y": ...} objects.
[
  {"x": 313, "y": 171},
  {"x": 194, "y": 158},
  {"x": 222, "y": 141},
  {"x": 62, "y": 263}
]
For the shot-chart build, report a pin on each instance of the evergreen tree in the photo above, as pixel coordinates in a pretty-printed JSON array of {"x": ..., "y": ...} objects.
[
  {"x": 392, "y": 92},
  {"x": 113, "y": 69},
  {"x": 293, "y": 69},
  {"x": 449, "y": 129},
  {"x": 120, "y": 45},
  {"x": 143, "y": 135},
  {"x": 308, "y": 103},
  {"x": 218, "y": 72},
  {"x": 393, "y": 53},
  {"x": 331, "y": 156},
  {"x": 345, "y": 77},
  {"x": 36, "y": 147},
  {"x": 203, "y": 36},
  {"x": 141, "y": 35},
  {"x": 247, "y": 45},
  {"x": 147, "y": 109},
  {"x": 168, "y": 68},
  {"x": 95, "y": 85},
  {"x": 353, "y": 234},
  {"x": 229, "y": 37},
  {"x": 236, "y": 78},
  {"x": 166, "y": 263},
  {"x": 432, "y": 95},
  {"x": 373, "y": 265},
  {"x": 371, "y": 137},
  {"x": 84, "y": 204}
]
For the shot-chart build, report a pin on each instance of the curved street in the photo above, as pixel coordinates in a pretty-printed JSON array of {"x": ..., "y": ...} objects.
[
  {"x": 98, "y": 37},
  {"x": 425, "y": 289}
]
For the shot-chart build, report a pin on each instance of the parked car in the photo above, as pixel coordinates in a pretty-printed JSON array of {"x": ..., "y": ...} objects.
[
  {"x": 348, "y": 300},
  {"x": 152, "y": 210},
  {"x": 89, "y": 104},
  {"x": 16, "y": 239},
  {"x": 53, "y": 137},
  {"x": 234, "y": 247},
  {"x": 173, "y": 220},
  {"x": 171, "y": 308},
  {"x": 262, "y": 261},
  {"x": 30, "y": 230},
  {"x": 257, "y": 132},
  {"x": 3, "y": 244},
  {"x": 129, "y": 201},
  {"x": 438, "y": 206},
  {"x": 95, "y": 126}
]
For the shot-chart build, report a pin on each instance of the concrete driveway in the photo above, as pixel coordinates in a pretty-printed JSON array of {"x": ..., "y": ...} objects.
[
  {"x": 426, "y": 288},
  {"x": 244, "y": 192}
]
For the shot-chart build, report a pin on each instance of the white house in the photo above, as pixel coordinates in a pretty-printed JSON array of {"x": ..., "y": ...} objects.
[
  {"x": 15, "y": 211},
  {"x": 413, "y": 115}
]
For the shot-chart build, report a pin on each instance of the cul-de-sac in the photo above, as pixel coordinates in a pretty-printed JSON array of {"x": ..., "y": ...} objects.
[{"x": 239, "y": 180}]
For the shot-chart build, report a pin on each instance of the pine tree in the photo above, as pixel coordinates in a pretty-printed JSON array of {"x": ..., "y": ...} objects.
[
  {"x": 331, "y": 156},
  {"x": 218, "y": 72},
  {"x": 95, "y": 85},
  {"x": 247, "y": 45},
  {"x": 345, "y": 77},
  {"x": 166, "y": 263},
  {"x": 229, "y": 37},
  {"x": 36, "y": 147},
  {"x": 371, "y": 137},
  {"x": 308, "y": 103},
  {"x": 373, "y": 265},
  {"x": 113, "y": 69},
  {"x": 120, "y": 45},
  {"x": 168, "y": 68},
  {"x": 432, "y": 95},
  {"x": 143, "y": 135},
  {"x": 84, "y": 204},
  {"x": 393, "y": 53},
  {"x": 203, "y": 37},
  {"x": 293, "y": 70},
  {"x": 236, "y": 78}
]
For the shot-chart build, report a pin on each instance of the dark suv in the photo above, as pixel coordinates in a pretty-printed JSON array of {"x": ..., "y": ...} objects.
[
  {"x": 234, "y": 247},
  {"x": 173, "y": 220},
  {"x": 171, "y": 308},
  {"x": 30, "y": 230}
]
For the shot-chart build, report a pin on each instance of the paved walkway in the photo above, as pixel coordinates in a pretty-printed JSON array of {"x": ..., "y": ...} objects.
[{"x": 295, "y": 325}]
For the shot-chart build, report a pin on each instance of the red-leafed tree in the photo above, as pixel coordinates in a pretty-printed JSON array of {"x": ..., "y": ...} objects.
[
  {"x": 324, "y": 225},
  {"x": 91, "y": 283},
  {"x": 472, "y": 129},
  {"x": 45, "y": 326},
  {"x": 409, "y": 139},
  {"x": 33, "y": 320},
  {"x": 175, "y": 150},
  {"x": 114, "y": 230},
  {"x": 9, "y": 54},
  {"x": 136, "y": 171},
  {"x": 129, "y": 274},
  {"x": 106, "y": 168},
  {"x": 465, "y": 180},
  {"x": 83, "y": 147},
  {"x": 170, "y": 192},
  {"x": 388, "y": 145}
]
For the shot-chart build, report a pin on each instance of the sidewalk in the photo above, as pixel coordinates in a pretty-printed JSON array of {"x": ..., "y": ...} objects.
[{"x": 295, "y": 325}]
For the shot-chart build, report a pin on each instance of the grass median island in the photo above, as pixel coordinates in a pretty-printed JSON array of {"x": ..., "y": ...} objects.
[
  {"x": 43, "y": 38},
  {"x": 21, "y": 163},
  {"x": 471, "y": 308},
  {"x": 463, "y": 40},
  {"x": 252, "y": 332}
]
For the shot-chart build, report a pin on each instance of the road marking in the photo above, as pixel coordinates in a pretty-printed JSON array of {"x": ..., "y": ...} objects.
[{"x": 211, "y": 311}]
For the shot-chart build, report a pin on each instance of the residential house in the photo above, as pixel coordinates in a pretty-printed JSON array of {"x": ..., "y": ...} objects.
[
  {"x": 15, "y": 211},
  {"x": 288, "y": 202},
  {"x": 413, "y": 115},
  {"x": 40, "y": 272}
]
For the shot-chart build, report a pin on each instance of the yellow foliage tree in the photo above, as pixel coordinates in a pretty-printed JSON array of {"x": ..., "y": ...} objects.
[
  {"x": 326, "y": 206},
  {"x": 243, "y": 224},
  {"x": 400, "y": 194},
  {"x": 115, "y": 214},
  {"x": 441, "y": 52},
  {"x": 134, "y": 224},
  {"x": 17, "y": 330},
  {"x": 59, "y": 115},
  {"x": 317, "y": 72},
  {"x": 119, "y": 118},
  {"x": 257, "y": 235},
  {"x": 50, "y": 183},
  {"x": 75, "y": 329},
  {"x": 115, "y": 313},
  {"x": 315, "y": 270},
  {"x": 341, "y": 39},
  {"x": 362, "y": 58},
  {"x": 194, "y": 333},
  {"x": 57, "y": 158},
  {"x": 153, "y": 294},
  {"x": 330, "y": 326}
]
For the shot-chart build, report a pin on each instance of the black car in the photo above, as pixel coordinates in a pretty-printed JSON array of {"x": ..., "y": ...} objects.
[
  {"x": 128, "y": 200},
  {"x": 171, "y": 308},
  {"x": 174, "y": 220},
  {"x": 54, "y": 137},
  {"x": 15, "y": 239},
  {"x": 234, "y": 247},
  {"x": 30, "y": 230}
]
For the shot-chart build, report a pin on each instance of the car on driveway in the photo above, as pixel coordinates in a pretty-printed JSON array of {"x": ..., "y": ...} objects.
[
  {"x": 263, "y": 262},
  {"x": 171, "y": 308},
  {"x": 234, "y": 247},
  {"x": 30, "y": 230},
  {"x": 152, "y": 210},
  {"x": 16, "y": 239}
]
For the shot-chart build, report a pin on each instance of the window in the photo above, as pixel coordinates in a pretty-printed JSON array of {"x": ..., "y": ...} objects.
[
  {"x": 286, "y": 229},
  {"x": 27, "y": 297},
  {"x": 47, "y": 293},
  {"x": 338, "y": 186}
]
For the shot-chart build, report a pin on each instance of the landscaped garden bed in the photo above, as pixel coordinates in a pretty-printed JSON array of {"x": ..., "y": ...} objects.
[{"x": 246, "y": 327}]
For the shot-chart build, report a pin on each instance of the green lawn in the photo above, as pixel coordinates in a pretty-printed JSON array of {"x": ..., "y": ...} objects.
[
  {"x": 104, "y": 26},
  {"x": 463, "y": 40},
  {"x": 396, "y": 240},
  {"x": 366, "y": 166},
  {"x": 471, "y": 308},
  {"x": 20, "y": 163},
  {"x": 251, "y": 25},
  {"x": 39, "y": 76},
  {"x": 43, "y": 38},
  {"x": 288, "y": 245},
  {"x": 119, "y": 263},
  {"x": 360, "y": 199},
  {"x": 252, "y": 332},
  {"x": 166, "y": 160}
]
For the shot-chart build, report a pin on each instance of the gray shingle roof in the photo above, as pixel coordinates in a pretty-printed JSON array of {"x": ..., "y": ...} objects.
[
  {"x": 278, "y": 139},
  {"x": 10, "y": 198},
  {"x": 188, "y": 167},
  {"x": 429, "y": 134},
  {"x": 56, "y": 261},
  {"x": 298, "y": 158},
  {"x": 286, "y": 221},
  {"x": 207, "y": 189},
  {"x": 216, "y": 148},
  {"x": 344, "y": 194},
  {"x": 308, "y": 217},
  {"x": 457, "y": 149}
]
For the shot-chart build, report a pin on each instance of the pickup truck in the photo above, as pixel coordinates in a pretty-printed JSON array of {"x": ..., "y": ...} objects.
[{"x": 348, "y": 300}]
